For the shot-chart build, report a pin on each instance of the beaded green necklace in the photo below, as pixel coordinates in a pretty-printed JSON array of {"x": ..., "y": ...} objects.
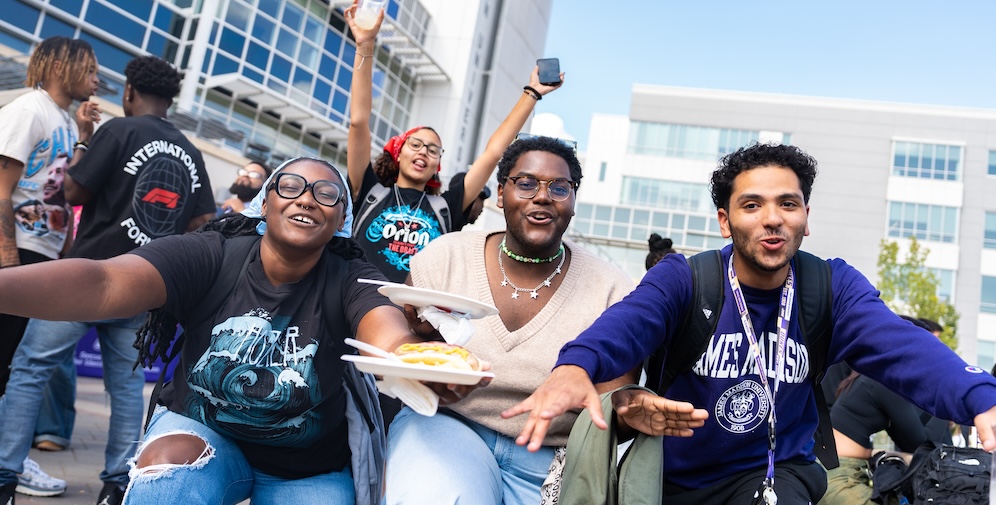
[{"x": 523, "y": 259}]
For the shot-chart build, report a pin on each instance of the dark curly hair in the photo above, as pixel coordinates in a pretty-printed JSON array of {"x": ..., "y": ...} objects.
[
  {"x": 387, "y": 170},
  {"x": 154, "y": 338},
  {"x": 659, "y": 247},
  {"x": 538, "y": 143},
  {"x": 151, "y": 75},
  {"x": 759, "y": 155}
]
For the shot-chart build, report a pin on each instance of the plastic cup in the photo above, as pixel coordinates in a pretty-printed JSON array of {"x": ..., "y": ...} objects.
[{"x": 367, "y": 11}]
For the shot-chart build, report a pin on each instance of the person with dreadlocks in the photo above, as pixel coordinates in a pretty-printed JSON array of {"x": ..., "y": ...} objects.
[
  {"x": 401, "y": 210},
  {"x": 139, "y": 179},
  {"x": 38, "y": 135},
  {"x": 247, "y": 415}
]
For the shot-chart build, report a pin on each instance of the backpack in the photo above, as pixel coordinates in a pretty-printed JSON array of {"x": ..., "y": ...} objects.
[
  {"x": 699, "y": 325},
  {"x": 379, "y": 192},
  {"x": 364, "y": 420},
  {"x": 941, "y": 473}
]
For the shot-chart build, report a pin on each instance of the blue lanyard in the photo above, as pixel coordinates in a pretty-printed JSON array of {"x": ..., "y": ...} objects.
[{"x": 784, "y": 317}]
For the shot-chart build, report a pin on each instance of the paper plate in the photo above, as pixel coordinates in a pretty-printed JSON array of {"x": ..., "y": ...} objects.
[
  {"x": 389, "y": 367},
  {"x": 403, "y": 294}
]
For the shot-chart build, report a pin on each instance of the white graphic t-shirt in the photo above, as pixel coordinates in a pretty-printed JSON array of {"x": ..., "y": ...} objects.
[{"x": 37, "y": 132}]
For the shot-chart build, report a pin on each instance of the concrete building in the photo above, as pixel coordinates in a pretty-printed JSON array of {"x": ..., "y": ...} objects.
[
  {"x": 887, "y": 171},
  {"x": 270, "y": 79}
]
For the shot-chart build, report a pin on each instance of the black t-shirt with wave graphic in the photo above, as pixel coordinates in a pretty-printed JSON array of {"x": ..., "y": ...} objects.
[{"x": 264, "y": 371}]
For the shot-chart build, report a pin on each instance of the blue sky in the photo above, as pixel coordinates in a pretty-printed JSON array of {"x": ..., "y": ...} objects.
[{"x": 914, "y": 51}]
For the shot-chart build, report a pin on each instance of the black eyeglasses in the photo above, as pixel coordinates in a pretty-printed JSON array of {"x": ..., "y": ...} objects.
[
  {"x": 291, "y": 186},
  {"x": 527, "y": 186},
  {"x": 252, "y": 175},
  {"x": 416, "y": 144},
  {"x": 570, "y": 144}
]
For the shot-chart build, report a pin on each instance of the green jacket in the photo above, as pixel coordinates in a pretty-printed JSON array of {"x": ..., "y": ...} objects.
[{"x": 591, "y": 475}]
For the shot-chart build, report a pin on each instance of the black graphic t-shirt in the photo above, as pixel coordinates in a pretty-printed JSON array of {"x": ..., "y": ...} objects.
[
  {"x": 395, "y": 230},
  {"x": 148, "y": 181},
  {"x": 264, "y": 371}
]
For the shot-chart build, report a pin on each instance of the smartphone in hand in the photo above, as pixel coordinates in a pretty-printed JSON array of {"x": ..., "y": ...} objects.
[{"x": 549, "y": 71}]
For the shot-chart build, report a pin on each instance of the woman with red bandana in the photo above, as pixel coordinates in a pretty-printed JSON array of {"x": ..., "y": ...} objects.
[{"x": 398, "y": 207}]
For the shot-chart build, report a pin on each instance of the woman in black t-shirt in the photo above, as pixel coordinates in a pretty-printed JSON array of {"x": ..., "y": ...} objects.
[
  {"x": 257, "y": 406},
  {"x": 404, "y": 219}
]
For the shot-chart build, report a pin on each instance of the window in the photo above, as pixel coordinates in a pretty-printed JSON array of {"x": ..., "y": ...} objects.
[
  {"x": 945, "y": 283},
  {"x": 138, "y": 8},
  {"x": 989, "y": 239},
  {"x": 663, "y": 194},
  {"x": 263, "y": 29},
  {"x": 238, "y": 15},
  {"x": 926, "y": 161},
  {"x": 925, "y": 222},
  {"x": 231, "y": 42},
  {"x": 21, "y": 16},
  {"x": 52, "y": 27},
  {"x": 114, "y": 23},
  {"x": 110, "y": 56},
  {"x": 686, "y": 141},
  {"x": 986, "y": 354},
  {"x": 70, "y": 6},
  {"x": 601, "y": 171},
  {"x": 992, "y": 162},
  {"x": 988, "y": 295},
  {"x": 169, "y": 21}
]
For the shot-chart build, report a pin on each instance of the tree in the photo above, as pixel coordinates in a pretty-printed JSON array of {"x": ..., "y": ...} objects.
[{"x": 909, "y": 288}]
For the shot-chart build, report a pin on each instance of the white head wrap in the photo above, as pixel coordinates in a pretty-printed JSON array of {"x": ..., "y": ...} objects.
[{"x": 255, "y": 207}]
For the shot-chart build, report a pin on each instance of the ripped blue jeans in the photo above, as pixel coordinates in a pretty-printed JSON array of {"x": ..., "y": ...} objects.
[{"x": 221, "y": 474}]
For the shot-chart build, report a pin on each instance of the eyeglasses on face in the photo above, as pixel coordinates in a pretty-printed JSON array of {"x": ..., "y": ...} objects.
[
  {"x": 570, "y": 144},
  {"x": 527, "y": 186},
  {"x": 250, "y": 174},
  {"x": 416, "y": 144},
  {"x": 291, "y": 186}
]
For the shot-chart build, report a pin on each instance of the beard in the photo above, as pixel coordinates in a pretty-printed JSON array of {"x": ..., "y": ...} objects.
[
  {"x": 760, "y": 261},
  {"x": 243, "y": 192}
]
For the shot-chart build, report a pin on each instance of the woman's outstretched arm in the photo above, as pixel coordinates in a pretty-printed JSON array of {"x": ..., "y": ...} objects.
[
  {"x": 478, "y": 174},
  {"x": 360, "y": 101},
  {"x": 81, "y": 289}
]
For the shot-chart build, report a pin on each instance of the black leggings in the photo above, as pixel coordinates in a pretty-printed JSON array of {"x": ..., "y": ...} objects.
[{"x": 796, "y": 483}]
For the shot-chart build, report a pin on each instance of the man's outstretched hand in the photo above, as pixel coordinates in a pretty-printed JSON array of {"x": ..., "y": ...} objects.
[
  {"x": 655, "y": 415},
  {"x": 566, "y": 388}
]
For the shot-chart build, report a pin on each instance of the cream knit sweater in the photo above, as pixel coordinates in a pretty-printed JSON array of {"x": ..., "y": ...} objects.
[{"x": 522, "y": 359}]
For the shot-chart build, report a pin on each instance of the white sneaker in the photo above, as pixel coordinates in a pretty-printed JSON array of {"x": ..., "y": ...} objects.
[{"x": 35, "y": 482}]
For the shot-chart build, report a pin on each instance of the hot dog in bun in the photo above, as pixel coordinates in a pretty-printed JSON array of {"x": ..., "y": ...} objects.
[{"x": 438, "y": 354}]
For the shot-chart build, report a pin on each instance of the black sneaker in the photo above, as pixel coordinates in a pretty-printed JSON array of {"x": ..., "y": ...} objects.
[
  {"x": 7, "y": 493},
  {"x": 111, "y": 494}
]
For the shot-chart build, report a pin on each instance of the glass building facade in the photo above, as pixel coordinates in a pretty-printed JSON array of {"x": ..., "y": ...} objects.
[{"x": 277, "y": 72}]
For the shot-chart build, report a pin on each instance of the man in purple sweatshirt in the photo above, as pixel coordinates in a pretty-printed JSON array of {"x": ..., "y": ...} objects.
[{"x": 740, "y": 423}]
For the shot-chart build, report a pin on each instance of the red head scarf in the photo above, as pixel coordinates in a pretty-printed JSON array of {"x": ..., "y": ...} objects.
[{"x": 393, "y": 148}]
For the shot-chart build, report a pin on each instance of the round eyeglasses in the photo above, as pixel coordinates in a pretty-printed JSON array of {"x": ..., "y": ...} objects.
[
  {"x": 527, "y": 186},
  {"x": 291, "y": 186},
  {"x": 416, "y": 144}
]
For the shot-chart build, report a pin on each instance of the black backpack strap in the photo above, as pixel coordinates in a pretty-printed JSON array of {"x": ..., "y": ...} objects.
[
  {"x": 815, "y": 310},
  {"x": 442, "y": 211},
  {"x": 234, "y": 262},
  {"x": 376, "y": 195},
  {"x": 697, "y": 327}
]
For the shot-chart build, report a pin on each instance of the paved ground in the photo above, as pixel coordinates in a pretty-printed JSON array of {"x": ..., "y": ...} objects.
[{"x": 81, "y": 464}]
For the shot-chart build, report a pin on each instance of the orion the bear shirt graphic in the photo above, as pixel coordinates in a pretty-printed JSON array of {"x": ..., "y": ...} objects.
[{"x": 404, "y": 233}]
